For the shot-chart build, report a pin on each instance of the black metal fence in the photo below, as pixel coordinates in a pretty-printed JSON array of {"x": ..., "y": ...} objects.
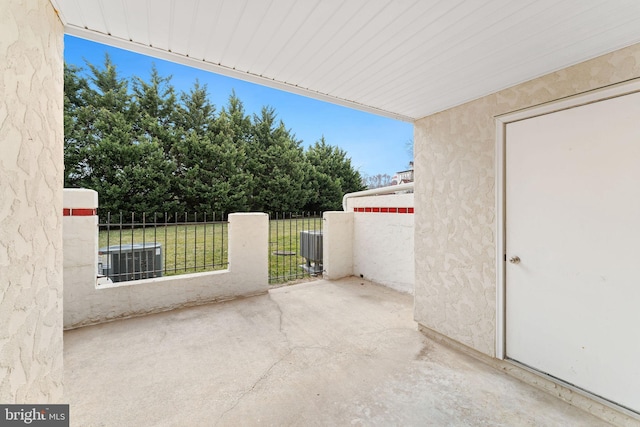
[
  {"x": 293, "y": 246},
  {"x": 140, "y": 246}
]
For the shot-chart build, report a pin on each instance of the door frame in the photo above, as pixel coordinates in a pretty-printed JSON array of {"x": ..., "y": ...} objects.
[{"x": 589, "y": 97}]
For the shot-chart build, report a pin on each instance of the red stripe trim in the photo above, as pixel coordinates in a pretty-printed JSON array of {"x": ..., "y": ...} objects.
[
  {"x": 385, "y": 210},
  {"x": 79, "y": 212}
]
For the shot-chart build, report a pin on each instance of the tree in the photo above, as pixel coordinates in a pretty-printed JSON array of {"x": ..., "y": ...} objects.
[
  {"x": 108, "y": 153},
  {"x": 144, "y": 148},
  {"x": 409, "y": 147},
  {"x": 276, "y": 163},
  {"x": 209, "y": 154},
  {"x": 195, "y": 112},
  {"x": 377, "y": 181},
  {"x": 329, "y": 176},
  {"x": 77, "y": 115},
  {"x": 201, "y": 177},
  {"x": 236, "y": 127},
  {"x": 203, "y": 181},
  {"x": 156, "y": 105}
]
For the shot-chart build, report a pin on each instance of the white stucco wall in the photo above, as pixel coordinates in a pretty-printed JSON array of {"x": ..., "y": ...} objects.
[
  {"x": 337, "y": 245},
  {"x": 84, "y": 303},
  {"x": 375, "y": 245},
  {"x": 383, "y": 242},
  {"x": 31, "y": 171},
  {"x": 455, "y": 235}
]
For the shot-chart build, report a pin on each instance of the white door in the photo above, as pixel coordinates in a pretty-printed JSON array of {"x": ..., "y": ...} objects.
[{"x": 572, "y": 198}]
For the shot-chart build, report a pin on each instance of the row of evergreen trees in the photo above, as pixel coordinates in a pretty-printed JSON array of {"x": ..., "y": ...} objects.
[{"x": 146, "y": 148}]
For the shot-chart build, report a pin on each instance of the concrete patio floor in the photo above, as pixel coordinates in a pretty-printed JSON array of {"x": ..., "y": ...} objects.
[{"x": 314, "y": 354}]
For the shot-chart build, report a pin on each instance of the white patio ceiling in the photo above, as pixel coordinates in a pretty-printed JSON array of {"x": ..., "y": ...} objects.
[{"x": 403, "y": 58}]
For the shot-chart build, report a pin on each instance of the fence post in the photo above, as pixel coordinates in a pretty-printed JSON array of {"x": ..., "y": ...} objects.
[
  {"x": 249, "y": 250},
  {"x": 79, "y": 247},
  {"x": 337, "y": 245}
]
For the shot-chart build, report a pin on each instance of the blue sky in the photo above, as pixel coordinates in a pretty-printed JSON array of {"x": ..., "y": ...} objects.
[{"x": 375, "y": 144}]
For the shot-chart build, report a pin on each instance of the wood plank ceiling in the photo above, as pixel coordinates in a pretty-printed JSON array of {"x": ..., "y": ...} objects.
[{"x": 400, "y": 58}]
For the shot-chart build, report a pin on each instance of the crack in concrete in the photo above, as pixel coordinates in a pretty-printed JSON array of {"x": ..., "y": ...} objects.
[
  {"x": 280, "y": 321},
  {"x": 255, "y": 384},
  {"x": 291, "y": 348},
  {"x": 268, "y": 371}
]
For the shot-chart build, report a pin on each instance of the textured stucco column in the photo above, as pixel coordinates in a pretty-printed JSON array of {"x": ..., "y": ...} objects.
[
  {"x": 31, "y": 176},
  {"x": 337, "y": 245},
  {"x": 249, "y": 250},
  {"x": 80, "y": 237}
]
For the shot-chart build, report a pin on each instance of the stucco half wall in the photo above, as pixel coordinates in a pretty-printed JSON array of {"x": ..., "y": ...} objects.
[
  {"x": 31, "y": 170},
  {"x": 455, "y": 219}
]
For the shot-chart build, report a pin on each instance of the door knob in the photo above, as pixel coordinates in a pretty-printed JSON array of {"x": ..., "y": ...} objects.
[{"x": 514, "y": 259}]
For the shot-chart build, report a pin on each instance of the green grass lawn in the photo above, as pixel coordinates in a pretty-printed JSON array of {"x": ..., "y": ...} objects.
[{"x": 204, "y": 247}]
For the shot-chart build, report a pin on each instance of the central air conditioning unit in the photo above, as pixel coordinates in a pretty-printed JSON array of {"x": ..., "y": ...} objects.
[
  {"x": 121, "y": 263},
  {"x": 311, "y": 250}
]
